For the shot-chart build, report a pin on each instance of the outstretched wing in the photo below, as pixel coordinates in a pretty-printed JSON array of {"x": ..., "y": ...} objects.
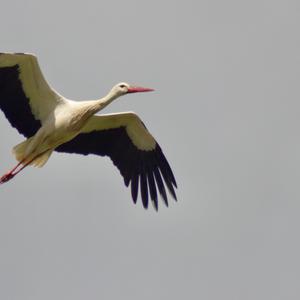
[
  {"x": 25, "y": 96},
  {"x": 124, "y": 138}
]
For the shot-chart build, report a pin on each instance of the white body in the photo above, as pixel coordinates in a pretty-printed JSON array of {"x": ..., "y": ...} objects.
[
  {"x": 63, "y": 119},
  {"x": 51, "y": 122}
]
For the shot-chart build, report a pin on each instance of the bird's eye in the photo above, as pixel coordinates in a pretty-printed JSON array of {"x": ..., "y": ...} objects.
[{"x": 122, "y": 86}]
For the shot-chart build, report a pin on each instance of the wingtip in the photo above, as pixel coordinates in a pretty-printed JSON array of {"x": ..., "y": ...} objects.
[
  {"x": 175, "y": 197},
  {"x": 134, "y": 188},
  {"x": 155, "y": 204}
]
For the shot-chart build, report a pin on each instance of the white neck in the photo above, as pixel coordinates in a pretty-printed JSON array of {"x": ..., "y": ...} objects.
[{"x": 97, "y": 105}]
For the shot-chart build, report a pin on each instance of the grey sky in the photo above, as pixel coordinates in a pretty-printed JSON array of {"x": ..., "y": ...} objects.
[{"x": 226, "y": 113}]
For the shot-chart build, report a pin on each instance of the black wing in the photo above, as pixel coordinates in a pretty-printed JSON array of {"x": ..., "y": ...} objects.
[
  {"x": 25, "y": 96},
  {"x": 148, "y": 169},
  {"x": 14, "y": 103}
]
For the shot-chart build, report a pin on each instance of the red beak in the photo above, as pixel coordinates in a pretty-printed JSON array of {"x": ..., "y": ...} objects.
[{"x": 138, "y": 89}]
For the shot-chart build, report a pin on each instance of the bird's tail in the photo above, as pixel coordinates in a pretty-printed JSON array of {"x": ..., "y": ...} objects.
[
  {"x": 41, "y": 159},
  {"x": 19, "y": 152}
]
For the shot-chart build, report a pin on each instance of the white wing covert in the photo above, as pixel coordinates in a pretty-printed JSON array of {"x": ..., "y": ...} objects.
[
  {"x": 25, "y": 96},
  {"x": 124, "y": 138}
]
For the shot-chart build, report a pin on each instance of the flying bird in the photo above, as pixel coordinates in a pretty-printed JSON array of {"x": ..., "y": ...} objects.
[{"x": 51, "y": 122}]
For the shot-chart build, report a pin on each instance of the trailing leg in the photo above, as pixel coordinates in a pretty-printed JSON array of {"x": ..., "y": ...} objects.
[
  {"x": 10, "y": 174},
  {"x": 38, "y": 161}
]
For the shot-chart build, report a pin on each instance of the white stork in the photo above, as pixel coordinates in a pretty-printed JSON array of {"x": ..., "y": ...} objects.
[{"x": 50, "y": 122}]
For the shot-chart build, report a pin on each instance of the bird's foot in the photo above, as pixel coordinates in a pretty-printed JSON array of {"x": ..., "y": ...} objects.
[{"x": 6, "y": 177}]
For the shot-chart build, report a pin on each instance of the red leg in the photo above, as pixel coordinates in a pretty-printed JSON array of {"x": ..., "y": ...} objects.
[
  {"x": 6, "y": 177},
  {"x": 13, "y": 172},
  {"x": 10, "y": 174}
]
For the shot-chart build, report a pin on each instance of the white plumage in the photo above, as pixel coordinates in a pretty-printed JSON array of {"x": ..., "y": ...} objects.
[{"x": 51, "y": 122}]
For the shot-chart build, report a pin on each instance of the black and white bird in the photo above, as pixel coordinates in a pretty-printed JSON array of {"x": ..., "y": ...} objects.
[{"x": 51, "y": 122}]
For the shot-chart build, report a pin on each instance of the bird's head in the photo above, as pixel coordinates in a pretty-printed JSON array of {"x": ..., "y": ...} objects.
[{"x": 124, "y": 88}]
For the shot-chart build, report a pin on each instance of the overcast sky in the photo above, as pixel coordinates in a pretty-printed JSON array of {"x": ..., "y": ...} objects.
[{"x": 225, "y": 111}]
